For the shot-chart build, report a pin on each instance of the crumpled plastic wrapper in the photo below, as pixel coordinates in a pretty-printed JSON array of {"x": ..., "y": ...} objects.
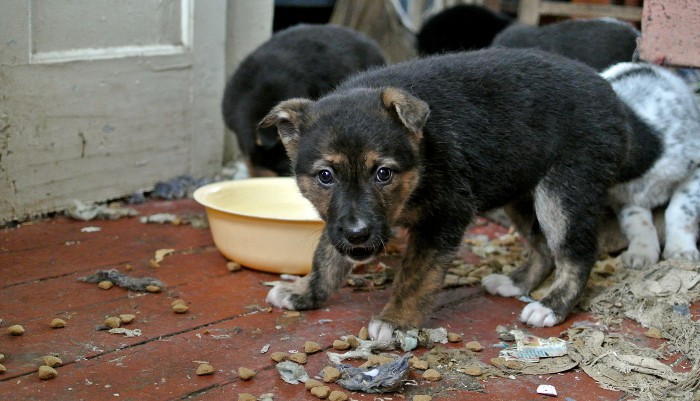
[
  {"x": 292, "y": 372},
  {"x": 386, "y": 378},
  {"x": 122, "y": 280},
  {"x": 90, "y": 211}
]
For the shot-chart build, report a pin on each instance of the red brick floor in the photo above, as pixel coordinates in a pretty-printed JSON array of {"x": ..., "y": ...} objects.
[{"x": 226, "y": 326}]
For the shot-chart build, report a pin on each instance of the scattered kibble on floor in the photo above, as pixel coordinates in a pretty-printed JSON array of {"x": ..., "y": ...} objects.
[
  {"x": 105, "y": 285},
  {"x": 454, "y": 337},
  {"x": 299, "y": 358},
  {"x": 245, "y": 373},
  {"x": 363, "y": 334},
  {"x": 311, "y": 383},
  {"x": 321, "y": 392},
  {"x": 279, "y": 356},
  {"x": 180, "y": 308},
  {"x": 47, "y": 372},
  {"x": 127, "y": 318},
  {"x": 153, "y": 288},
  {"x": 473, "y": 346},
  {"x": 205, "y": 369},
  {"x": 52, "y": 361},
  {"x": 330, "y": 374},
  {"x": 247, "y": 397},
  {"x": 3, "y": 369},
  {"x": 57, "y": 323},
  {"x": 422, "y": 398},
  {"x": 311, "y": 347},
  {"x": 15, "y": 330},
  {"x": 341, "y": 345},
  {"x": 432, "y": 375},
  {"x": 113, "y": 322}
]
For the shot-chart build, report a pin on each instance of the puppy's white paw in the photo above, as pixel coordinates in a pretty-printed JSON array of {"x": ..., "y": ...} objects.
[
  {"x": 537, "y": 315},
  {"x": 638, "y": 257},
  {"x": 691, "y": 255},
  {"x": 380, "y": 330},
  {"x": 280, "y": 296},
  {"x": 499, "y": 284}
]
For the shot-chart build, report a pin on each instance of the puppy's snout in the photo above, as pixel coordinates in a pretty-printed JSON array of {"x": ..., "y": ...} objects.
[{"x": 357, "y": 234}]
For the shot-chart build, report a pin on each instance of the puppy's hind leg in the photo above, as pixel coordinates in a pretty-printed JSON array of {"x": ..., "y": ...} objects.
[
  {"x": 683, "y": 220},
  {"x": 569, "y": 221},
  {"x": 328, "y": 273},
  {"x": 539, "y": 263}
]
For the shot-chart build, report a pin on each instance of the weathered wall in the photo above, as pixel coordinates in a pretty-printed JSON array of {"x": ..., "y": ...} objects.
[{"x": 671, "y": 32}]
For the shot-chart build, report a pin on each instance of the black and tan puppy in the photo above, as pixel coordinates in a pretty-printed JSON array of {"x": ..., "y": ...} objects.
[{"x": 429, "y": 143}]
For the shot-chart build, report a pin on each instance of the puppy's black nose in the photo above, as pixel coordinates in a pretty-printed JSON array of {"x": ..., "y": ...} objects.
[{"x": 357, "y": 234}]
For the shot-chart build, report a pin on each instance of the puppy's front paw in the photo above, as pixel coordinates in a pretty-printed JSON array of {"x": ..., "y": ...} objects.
[
  {"x": 691, "y": 255},
  {"x": 380, "y": 330},
  {"x": 640, "y": 256},
  {"x": 499, "y": 284},
  {"x": 537, "y": 315},
  {"x": 281, "y": 296}
]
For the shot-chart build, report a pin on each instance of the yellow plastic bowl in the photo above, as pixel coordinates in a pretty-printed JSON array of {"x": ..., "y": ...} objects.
[{"x": 262, "y": 223}]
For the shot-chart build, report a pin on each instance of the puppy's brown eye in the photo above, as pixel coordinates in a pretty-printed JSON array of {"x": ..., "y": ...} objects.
[
  {"x": 384, "y": 174},
  {"x": 325, "y": 177}
]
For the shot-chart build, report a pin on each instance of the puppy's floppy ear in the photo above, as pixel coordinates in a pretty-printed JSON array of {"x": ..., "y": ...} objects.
[
  {"x": 412, "y": 111},
  {"x": 287, "y": 117}
]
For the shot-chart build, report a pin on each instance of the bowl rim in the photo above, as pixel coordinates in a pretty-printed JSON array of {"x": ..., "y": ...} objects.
[{"x": 201, "y": 193}]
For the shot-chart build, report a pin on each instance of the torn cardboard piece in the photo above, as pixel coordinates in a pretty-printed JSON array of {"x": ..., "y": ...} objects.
[
  {"x": 122, "y": 280},
  {"x": 386, "y": 378},
  {"x": 90, "y": 211}
]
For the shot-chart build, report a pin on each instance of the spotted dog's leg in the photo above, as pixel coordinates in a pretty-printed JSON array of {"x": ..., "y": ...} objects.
[
  {"x": 539, "y": 263},
  {"x": 569, "y": 223},
  {"x": 638, "y": 226},
  {"x": 683, "y": 220},
  {"x": 430, "y": 252},
  {"x": 328, "y": 273}
]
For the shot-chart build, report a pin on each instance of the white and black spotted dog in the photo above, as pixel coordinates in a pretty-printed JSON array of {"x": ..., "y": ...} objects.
[{"x": 663, "y": 101}]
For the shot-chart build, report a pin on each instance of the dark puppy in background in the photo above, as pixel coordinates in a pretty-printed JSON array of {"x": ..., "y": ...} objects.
[
  {"x": 458, "y": 28},
  {"x": 599, "y": 42},
  {"x": 302, "y": 61},
  {"x": 432, "y": 142}
]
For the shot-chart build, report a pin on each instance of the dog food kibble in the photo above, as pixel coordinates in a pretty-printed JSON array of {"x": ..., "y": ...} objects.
[
  {"x": 105, "y": 285},
  {"x": 454, "y": 337},
  {"x": 113, "y": 322},
  {"x": 247, "y": 397},
  {"x": 417, "y": 363},
  {"x": 58, "y": 323},
  {"x": 180, "y": 308},
  {"x": 246, "y": 374},
  {"x": 205, "y": 369},
  {"x": 330, "y": 374},
  {"x": 47, "y": 372},
  {"x": 3, "y": 369},
  {"x": 279, "y": 356},
  {"x": 422, "y": 398},
  {"x": 233, "y": 266},
  {"x": 653, "y": 332},
  {"x": 311, "y": 347},
  {"x": 473, "y": 346},
  {"x": 432, "y": 375},
  {"x": 178, "y": 301},
  {"x": 473, "y": 371},
  {"x": 376, "y": 360},
  {"x": 341, "y": 345},
  {"x": 2, "y": 356},
  {"x": 321, "y": 392},
  {"x": 127, "y": 318},
  {"x": 16, "y": 330},
  {"x": 299, "y": 358},
  {"x": 498, "y": 362},
  {"x": 52, "y": 361},
  {"x": 153, "y": 288},
  {"x": 311, "y": 383},
  {"x": 363, "y": 334},
  {"x": 353, "y": 341},
  {"x": 337, "y": 396}
]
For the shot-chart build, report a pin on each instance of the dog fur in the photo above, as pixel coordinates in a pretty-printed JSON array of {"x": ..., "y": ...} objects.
[
  {"x": 301, "y": 61},
  {"x": 430, "y": 143},
  {"x": 599, "y": 42},
  {"x": 458, "y": 28},
  {"x": 663, "y": 101}
]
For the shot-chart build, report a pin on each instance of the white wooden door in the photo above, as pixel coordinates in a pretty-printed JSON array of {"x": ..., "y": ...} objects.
[{"x": 99, "y": 98}]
